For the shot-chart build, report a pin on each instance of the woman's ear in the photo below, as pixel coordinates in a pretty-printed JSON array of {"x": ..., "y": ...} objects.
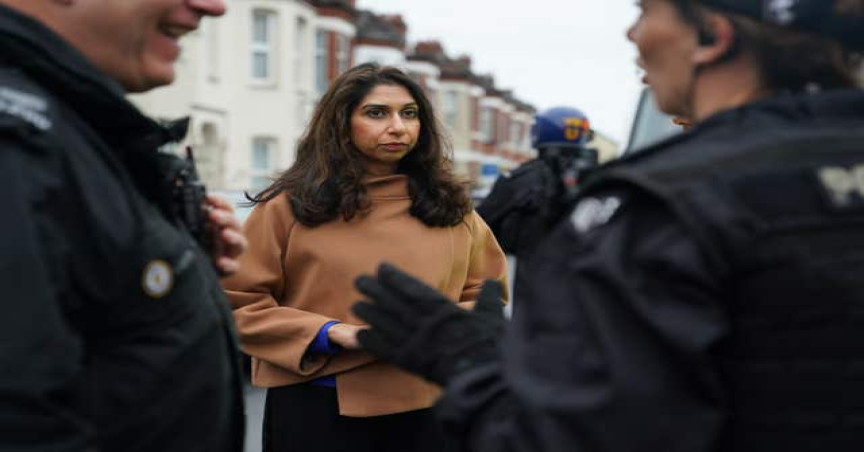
[{"x": 716, "y": 38}]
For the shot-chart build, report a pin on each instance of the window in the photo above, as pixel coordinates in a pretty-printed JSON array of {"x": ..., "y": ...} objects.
[
  {"x": 451, "y": 109},
  {"x": 515, "y": 133},
  {"x": 433, "y": 96},
  {"x": 486, "y": 115},
  {"x": 322, "y": 80},
  {"x": 263, "y": 40},
  {"x": 263, "y": 152},
  {"x": 343, "y": 54},
  {"x": 299, "y": 50}
]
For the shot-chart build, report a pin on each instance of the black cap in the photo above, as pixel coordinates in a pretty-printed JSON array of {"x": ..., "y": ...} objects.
[{"x": 816, "y": 16}]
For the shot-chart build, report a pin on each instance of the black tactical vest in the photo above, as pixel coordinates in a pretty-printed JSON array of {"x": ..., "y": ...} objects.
[{"x": 774, "y": 193}]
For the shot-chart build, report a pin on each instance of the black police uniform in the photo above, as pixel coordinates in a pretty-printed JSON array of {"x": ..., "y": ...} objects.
[
  {"x": 114, "y": 333},
  {"x": 706, "y": 294},
  {"x": 522, "y": 206}
]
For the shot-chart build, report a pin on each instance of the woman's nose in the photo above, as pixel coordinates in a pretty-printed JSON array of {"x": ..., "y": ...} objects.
[
  {"x": 397, "y": 125},
  {"x": 631, "y": 33}
]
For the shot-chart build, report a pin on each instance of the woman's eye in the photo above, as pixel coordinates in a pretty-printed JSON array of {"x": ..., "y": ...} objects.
[
  {"x": 376, "y": 113},
  {"x": 410, "y": 114}
]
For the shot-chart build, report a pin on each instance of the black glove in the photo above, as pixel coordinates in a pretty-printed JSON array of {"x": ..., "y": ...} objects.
[{"x": 418, "y": 329}]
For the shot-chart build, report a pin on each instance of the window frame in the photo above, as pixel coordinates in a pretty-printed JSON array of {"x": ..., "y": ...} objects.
[
  {"x": 487, "y": 119},
  {"x": 265, "y": 48},
  {"x": 343, "y": 54},
  {"x": 256, "y": 173},
  {"x": 322, "y": 63}
]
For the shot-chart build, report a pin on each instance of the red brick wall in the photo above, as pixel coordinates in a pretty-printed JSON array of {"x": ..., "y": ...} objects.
[
  {"x": 329, "y": 11},
  {"x": 332, "y": 52}
]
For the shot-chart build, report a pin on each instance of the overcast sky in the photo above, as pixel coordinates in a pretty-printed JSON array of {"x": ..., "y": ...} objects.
[{"x": 549, "y": 52}]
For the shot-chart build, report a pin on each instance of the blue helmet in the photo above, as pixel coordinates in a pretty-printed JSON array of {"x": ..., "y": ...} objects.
[{"x": 560, "y": 126}]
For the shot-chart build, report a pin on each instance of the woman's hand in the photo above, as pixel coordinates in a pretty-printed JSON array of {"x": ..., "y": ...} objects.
[
  {"x": 345, "y": 335},
  {"x": 228, "y": 240}
]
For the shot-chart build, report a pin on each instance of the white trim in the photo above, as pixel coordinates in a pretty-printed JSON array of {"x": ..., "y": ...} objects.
[
  {"x": 459, "y": 87},
  {"x": 269, "y": 48},
  {"x": 365, "y": 53},
  {"x": 424, "y": 68},
  {"x": 492, "y": 102},
  {"x": 522, "y": 117}
]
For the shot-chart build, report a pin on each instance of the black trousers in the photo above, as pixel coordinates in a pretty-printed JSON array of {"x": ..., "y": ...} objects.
[{"x": 301, "y": 418}]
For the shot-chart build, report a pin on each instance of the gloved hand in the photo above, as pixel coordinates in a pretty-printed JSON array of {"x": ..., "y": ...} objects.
[{"x": 418, "y": 329}]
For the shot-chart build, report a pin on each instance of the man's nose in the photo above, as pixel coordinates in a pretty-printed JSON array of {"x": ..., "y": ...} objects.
[{"x": 208, "y": 7}]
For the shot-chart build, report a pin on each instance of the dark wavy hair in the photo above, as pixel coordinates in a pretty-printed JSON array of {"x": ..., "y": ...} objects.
[
  {"x": 790, "y": 61},
  {"x": 326, "y": 179}
]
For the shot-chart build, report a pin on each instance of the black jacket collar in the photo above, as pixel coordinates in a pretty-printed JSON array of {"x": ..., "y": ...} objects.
[
  {"x": 804, "y": 109},
  {"x": 63, "y": 71}
]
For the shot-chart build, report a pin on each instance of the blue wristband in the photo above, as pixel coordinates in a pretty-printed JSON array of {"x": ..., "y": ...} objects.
[{"x": 322, "y": 344}]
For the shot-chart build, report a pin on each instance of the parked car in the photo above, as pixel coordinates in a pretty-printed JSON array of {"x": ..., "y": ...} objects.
[{"x": 650, "y": 125}]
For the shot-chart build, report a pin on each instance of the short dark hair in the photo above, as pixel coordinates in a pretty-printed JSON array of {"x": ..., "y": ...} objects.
[
  {"x": 789, "y": 60},
  {"x": 326, "y": 179}
]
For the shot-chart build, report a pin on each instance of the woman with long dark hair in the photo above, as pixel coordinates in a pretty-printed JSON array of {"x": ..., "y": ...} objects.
[{"x": 372, "y": 182}]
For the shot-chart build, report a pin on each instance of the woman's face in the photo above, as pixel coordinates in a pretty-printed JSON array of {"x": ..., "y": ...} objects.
[
  {"x": 385, "y": 126},
  {"x": 666, "y": 44}
]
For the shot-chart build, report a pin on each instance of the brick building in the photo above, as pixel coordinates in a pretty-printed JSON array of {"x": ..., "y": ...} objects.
[{"x": 250, "y": 80}]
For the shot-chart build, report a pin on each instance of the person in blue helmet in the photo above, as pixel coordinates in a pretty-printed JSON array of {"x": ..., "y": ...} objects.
[
  {"x": 524, "y": 204},
  {"x": 704, "y": 294}
]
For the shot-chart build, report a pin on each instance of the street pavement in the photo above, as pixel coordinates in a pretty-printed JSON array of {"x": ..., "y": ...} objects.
[{"x": 254, "y": 417}]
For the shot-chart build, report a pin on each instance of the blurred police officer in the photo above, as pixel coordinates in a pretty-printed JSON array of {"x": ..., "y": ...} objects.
[
  {"x": 705, "y": 294},
  {"x": 524, "y": 204},
  {"x": 114, "y": 334}
]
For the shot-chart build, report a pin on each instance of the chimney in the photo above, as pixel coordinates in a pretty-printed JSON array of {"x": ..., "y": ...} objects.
[
  {"x": 397, "y": 22},
  {"x": 429, "y": 48}
]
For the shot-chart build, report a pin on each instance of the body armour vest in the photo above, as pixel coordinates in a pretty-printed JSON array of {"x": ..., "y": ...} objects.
[{"x": 774, "y": 193}]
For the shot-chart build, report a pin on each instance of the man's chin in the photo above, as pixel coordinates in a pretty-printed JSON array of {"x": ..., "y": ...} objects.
[{"x": 148, "y": 81}]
